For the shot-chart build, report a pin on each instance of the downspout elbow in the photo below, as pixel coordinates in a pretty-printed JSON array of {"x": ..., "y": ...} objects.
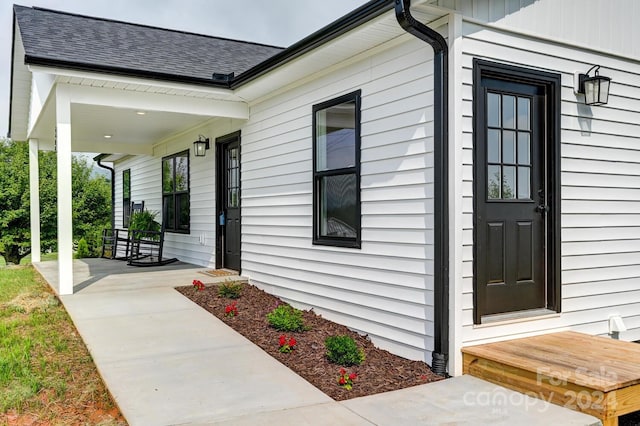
[{"x": 418, "y": 29}]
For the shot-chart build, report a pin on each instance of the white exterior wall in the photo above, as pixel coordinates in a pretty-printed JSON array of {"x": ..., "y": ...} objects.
[
  {"x": 606, "y": 25},
  {"x": 384, "y": 289},
  {"x": 198, "y": 246},
  {"x": 145, "y": 184},
  {"x": 600, "y": 166}
]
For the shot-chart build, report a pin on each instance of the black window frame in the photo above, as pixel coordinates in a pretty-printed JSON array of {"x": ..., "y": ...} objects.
[
  {"x": 318, "y": 176},
  {"x": 175, "y": 195},
  {"x": 126, "y": 201}
]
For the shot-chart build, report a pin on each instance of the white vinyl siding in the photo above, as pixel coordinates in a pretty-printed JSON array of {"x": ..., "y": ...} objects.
[
  {"x": 606, "y": 25},
  {"x": 600, "y": 176},
  {"x": 145, "y": 180},
  {"x": 197, "y": 246},
  {"x": 384, "y": 289}
]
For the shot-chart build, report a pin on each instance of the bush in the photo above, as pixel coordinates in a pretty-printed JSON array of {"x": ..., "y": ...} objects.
[
  {"x": 83, "y": 249},
  {"x": 230, "y": 289},
  {"x": 144, "y": 221},
  {"x": 343, "y": 350},
  {"x": 286, "y": 318}
]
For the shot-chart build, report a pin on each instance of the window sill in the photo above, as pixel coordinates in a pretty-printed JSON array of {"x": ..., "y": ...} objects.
[{"x": 337, "y": 243}]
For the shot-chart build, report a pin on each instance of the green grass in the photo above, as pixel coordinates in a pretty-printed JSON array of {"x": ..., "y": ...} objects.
[
  {"x": 27, "y": 259},
  {"x": 43, "y": 361}
]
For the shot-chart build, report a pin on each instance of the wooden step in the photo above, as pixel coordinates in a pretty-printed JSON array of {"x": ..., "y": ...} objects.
[{"x": 592, "y": 374}]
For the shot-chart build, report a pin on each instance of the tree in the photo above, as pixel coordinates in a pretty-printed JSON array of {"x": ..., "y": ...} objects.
[
  {"x": 14, "y": 201},
  {"x": 91, "y": 202}
]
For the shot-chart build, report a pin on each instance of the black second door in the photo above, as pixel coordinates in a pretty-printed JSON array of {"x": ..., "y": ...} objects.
[
  {"x": 511, "y": 205},
  {"x": 229, "y": 200}
]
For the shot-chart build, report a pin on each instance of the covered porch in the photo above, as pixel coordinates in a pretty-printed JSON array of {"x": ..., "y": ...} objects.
[
  {"x": 89, "y": 94},
  {"x": 105, "y": 275},
  {"x": 76, "y": 116}
]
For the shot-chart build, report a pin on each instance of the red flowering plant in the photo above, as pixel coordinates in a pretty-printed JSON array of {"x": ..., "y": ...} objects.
[
  {"x": 346, "y": 380},
  {"x": 198, "y": 284},
  {"x": 231, "y": 310},
  {"x": 286, "y": 345}
]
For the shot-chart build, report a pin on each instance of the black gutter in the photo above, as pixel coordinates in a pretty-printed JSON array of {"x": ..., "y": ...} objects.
[
  {"x": 98, "y": 159},
  {"x": 343, "y": 25},
  {"x": 441, "y": 191}
]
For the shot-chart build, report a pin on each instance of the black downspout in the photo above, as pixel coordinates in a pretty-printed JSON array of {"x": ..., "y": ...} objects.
[
  {"x": 98, "y": 160},
  {"x": 441, "y": 170}
]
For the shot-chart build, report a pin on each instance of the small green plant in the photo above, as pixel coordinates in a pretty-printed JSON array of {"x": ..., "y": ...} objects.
[
  {"x": 144, "y": 221},
  {"x": 230, "y": 289},
  {"x": 286, "y": 318},
  {"x": 342, "y": 350},
  {"x": 83, "y": 249}
]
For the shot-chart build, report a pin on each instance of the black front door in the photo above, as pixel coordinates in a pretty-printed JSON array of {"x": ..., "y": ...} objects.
[
  {"x": 229, "y": 201},
  {"x": 511, "y": 197}
]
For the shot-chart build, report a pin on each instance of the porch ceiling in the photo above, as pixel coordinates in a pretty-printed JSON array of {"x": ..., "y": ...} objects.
[
  {"x": 134, "y": 115},
  {"x": 131, "y": 133}
]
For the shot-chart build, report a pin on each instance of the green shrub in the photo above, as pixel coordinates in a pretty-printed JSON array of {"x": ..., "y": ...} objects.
[
  {"x": 343, "y": 350},
  {"x": 83, "y": 249},
  {"x": 230, "y": 289},
  {"x": 144, "y": 221},
  {"x": 286, "y": 318}
]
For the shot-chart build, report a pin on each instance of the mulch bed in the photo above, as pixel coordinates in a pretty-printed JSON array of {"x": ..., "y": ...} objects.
[{"x": 380, "y": 372}]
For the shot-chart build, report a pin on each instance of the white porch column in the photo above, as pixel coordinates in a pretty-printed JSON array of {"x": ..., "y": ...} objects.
[
  {"x": 65, "y": 218},
  {"x": 34, "y": 195}
]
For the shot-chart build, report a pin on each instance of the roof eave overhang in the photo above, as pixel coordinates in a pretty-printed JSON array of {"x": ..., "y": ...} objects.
[{"x": 103, "y": 69}]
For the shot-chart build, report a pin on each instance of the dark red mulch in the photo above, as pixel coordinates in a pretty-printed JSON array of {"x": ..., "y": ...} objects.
[{"x": 380, "y": 372}]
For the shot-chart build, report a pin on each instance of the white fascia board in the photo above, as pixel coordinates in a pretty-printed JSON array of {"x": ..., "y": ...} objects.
[
  {"x": 118, "y": 98},
  {"x": 159, "y": 84}
]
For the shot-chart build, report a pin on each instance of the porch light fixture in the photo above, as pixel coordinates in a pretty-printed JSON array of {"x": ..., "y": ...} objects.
[
  {"x": 595, "y": 88},
  {"x": 201, "y": 146}
]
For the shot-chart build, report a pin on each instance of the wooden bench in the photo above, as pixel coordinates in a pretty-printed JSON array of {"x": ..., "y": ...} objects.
[{"x": 596, "y": 375}]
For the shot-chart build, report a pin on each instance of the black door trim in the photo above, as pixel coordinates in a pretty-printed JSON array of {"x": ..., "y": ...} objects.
[
  {"x": 552, "y": 84},
  {"x": 220, "y": 142}
]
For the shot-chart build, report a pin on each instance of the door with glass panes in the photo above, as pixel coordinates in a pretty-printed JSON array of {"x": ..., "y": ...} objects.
[
  {"x": 510, "y": 191},
  {"x": 229, "y": 219}
]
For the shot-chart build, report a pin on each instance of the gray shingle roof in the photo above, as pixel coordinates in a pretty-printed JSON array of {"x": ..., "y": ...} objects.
[{"x": 60, "y": 38}]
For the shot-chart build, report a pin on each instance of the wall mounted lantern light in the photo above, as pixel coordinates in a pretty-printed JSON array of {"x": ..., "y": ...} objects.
[
  {"x": 201, "y": 146},
  {"x": 595, "y": 88}
]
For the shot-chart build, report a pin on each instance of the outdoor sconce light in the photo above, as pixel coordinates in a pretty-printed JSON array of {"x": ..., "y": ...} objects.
[
  {"x": 201, "y": 146},
  {"x": 595, "y": 89}
]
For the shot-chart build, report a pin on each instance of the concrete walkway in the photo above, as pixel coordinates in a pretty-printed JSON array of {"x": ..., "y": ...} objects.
[{"x": 166, "y": 361}]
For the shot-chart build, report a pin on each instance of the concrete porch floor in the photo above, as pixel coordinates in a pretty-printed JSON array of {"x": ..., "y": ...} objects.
[{"x": 166, "y": 361}]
